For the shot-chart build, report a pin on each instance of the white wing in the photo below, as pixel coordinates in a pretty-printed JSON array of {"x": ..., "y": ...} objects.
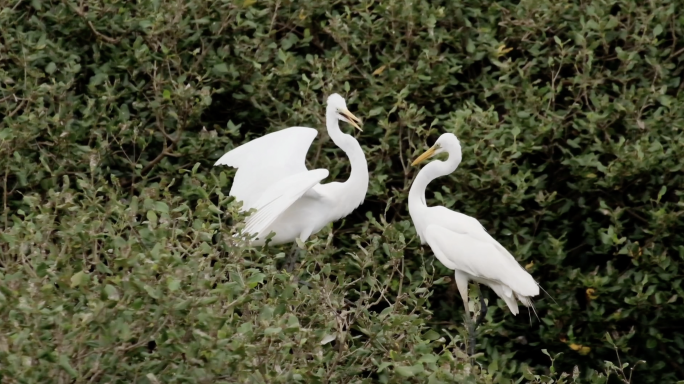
[
  {"x": 460, "y": 242},
  {"x": 265, "y": 161},
  {"x": 281, "y": 196}
]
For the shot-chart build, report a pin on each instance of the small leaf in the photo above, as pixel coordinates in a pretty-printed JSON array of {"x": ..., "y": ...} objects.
[
  {"x": 173, "y": 284},
  {"x": 78, "y": 278},
  {"x": 663, "y": 189},
  {"x": 152, "y": 378},
  {"x": 292, "y": 322},
  {"x": 220, "y": 69},
  {"x": 380, "y": 70},
  {"x": 272, "y": 331},
  {"x": 431, "y": 335},
  {"x": 51, "y": 68},
  {"x": 611, "y": 23},
  {"x": 161, "y": 207},
  {"x": 152, "y": 292},
  {"x": 657, "y": 30},
  {"x": 151, "y": 216},
  {"x": 111, "y": 292},
  {"x": 328, "y": 338},
  {"x": 166, "y": 94},
  {"x": 429, "y": 358},
  {"x": 470, "y": 46},
  {"x": 404, "y": 371},
  {"x": 255, "y": 280},
  {"x": 64, "y": 364},
  {"x": 375, "y": 111},
  {"x": 208, "y": 300}
]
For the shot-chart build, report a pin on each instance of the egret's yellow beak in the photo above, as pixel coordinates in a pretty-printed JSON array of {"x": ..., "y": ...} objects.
[
  {"x": 352, "y": 119},
  {"x": 428, "y": 154}
]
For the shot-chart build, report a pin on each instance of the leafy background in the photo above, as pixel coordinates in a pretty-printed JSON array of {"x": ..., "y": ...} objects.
[{"x": 117, "y": 263}]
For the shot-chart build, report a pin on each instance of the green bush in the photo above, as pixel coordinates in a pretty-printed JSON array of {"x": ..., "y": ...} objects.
[{"x": 117, "y": 262}]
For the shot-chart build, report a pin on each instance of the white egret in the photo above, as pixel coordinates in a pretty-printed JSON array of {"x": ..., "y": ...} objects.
[
  {"x": 462, "y": 244},
  {"x": 289, "y": 200}
]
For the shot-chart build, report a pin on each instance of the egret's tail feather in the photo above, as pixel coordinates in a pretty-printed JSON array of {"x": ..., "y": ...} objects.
[
  {"x": 527, "y": 301},
  {"x": 509, "y": 300},
  {"x": 550, "y": 297}
]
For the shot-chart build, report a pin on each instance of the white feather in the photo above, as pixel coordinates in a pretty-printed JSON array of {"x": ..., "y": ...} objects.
[
  {"x": 289, "y": 200},
  {"x": 461, "y": 243},
  {"x": 265, "y": 161}
]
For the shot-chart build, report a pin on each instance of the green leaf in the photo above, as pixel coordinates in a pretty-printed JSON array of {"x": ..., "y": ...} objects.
[
  {"x": 161, "y": 206},
  {"x": 470, "y": 46},
  {"x": 51, "y": 68},
  {"x": 97, "y": 79},
  {"x": 662, "y": 192},
  {"x": 208, "y": 300},
  {"x": 328, "y": 338},
  {"x": 173, "y": 284},
  {"x": 78, "y": 279},
  {"x": 151, "y": 216},
  {"x": 383, "y": 365},
  {"x": 431, "y": 335},
  {"x": 407, "y": 371},
  {"x": 63, "y": 362},
  {"x": 611, "y": 23},
  {"x": 255, "y": 279},
  {"x": 428, "y": 358},
  {"x": 292, "y": 322},
  {"x": 111, "y": 292},
  {"x": 220, "y": 69},
  {"x": 657, "y": 30},
  {"x": 153, "y": 292}
]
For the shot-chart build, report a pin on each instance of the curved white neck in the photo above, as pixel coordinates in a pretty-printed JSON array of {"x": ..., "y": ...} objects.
[
  {"x": 351, "y": 193},
  {"x": 430, "y": 172}
]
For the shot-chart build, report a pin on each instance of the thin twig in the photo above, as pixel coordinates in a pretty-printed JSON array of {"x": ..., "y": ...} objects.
[
  {"x": 20, "y": 106},
  {"x": 4, "y": 196},
  {"x": 92, "y": 27},
  {"x": 275, "y": 13}
]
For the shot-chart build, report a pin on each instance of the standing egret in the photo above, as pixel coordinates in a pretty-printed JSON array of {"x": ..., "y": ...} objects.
[
  {"x": 462, "y": 244},
  {"x": 288, "y": 198}
]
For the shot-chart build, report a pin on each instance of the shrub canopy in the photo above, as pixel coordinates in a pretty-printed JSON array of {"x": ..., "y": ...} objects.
[{"x": 117, "y": 262}]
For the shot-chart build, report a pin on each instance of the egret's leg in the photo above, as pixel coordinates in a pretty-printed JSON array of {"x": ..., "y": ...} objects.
[
  {"x": 462, "y": 284},
  {"x": 471, "y": 335},
  {"x": 483, "y": 307},
  {"x": 291, "y": 258}
]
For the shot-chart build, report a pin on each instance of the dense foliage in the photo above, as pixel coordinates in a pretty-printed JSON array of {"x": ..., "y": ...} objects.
[{"x": 117, "y": 262}]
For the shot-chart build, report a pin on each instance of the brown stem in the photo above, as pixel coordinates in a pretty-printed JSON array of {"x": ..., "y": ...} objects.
[{"x": 92, "y": 27}]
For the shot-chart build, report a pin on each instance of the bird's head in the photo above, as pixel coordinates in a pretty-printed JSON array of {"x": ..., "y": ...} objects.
[
  {"x": 337, "y": 103},
  {"x": 445, "y": 142}
]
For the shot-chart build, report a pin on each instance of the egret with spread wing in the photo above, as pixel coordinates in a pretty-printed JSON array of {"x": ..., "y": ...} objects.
[
  {"x": 462, "y": 244},
  {"x": 288, "y": 198}
]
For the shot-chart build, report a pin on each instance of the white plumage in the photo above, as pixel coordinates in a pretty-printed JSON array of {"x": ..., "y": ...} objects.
[
  {"x": 460, "y": 242},
  {"x": 288, "y": 198}
]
